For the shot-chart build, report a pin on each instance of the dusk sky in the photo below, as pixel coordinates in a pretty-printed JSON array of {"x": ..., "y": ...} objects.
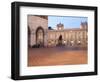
[{"x": 68, "y": 21}]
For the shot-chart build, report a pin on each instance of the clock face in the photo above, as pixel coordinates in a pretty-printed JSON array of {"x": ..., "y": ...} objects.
[{"x": 59, "y": 28}]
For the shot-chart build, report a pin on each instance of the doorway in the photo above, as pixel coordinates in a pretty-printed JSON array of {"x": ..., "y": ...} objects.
[
  {"x": 40, "y": 37},
  {"x": 60, "y": 40}
]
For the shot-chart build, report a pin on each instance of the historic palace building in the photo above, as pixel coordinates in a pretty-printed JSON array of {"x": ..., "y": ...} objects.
[{"x": 40, "y": 35}]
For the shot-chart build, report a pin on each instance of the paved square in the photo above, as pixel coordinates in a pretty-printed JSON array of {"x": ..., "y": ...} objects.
[{"x": 57, "y": 56}]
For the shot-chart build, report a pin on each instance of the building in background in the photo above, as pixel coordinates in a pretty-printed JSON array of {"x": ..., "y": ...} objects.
[{"x": 39, "y": 34}]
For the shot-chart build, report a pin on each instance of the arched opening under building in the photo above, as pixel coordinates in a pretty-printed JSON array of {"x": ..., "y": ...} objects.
[
  {"x": 60, "y": 40},
  {"x": 40, "y": 37},
  {"x": 29, "y": 33}
]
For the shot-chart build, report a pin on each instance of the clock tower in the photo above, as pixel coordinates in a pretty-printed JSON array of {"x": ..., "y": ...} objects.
[{"x": 60, "y": 26}]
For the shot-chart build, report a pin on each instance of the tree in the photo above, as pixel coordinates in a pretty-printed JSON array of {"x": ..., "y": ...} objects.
[{"x": 50, "y": 28}]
